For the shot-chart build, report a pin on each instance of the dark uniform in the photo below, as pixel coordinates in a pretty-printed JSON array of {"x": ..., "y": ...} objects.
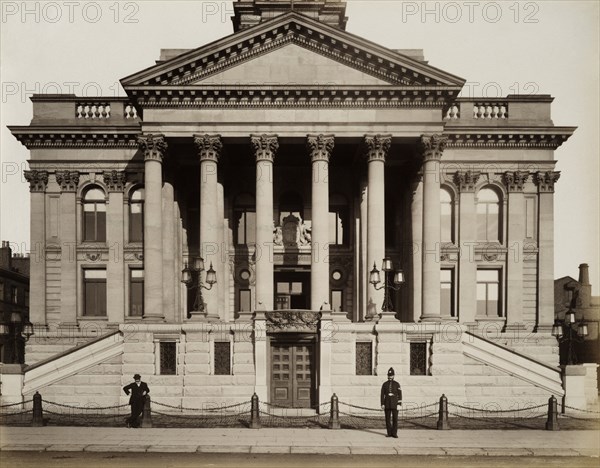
[
  {"x": 138, "y": 391},
  {"x": 391, "y": 397}
]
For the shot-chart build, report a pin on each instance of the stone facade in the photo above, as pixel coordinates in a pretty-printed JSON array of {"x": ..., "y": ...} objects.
[{"x": 292, "y": 193}]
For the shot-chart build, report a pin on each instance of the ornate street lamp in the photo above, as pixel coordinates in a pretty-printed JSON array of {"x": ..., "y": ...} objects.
[
  {"x": 397, "y": 281},
  {"x": 187, "y": 275},
  {"x": 568, "y": 331},
  {"x": 17, "y": 331}
]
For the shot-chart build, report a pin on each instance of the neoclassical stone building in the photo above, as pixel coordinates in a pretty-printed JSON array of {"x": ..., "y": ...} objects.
[{"x": 292, "y": 157}]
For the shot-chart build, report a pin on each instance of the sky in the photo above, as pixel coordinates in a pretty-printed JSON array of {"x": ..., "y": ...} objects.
[{"x": 500, "y": 48}]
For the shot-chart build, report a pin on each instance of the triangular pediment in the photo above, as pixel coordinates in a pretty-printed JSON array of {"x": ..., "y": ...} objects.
[{"x": 292, "y": 49}]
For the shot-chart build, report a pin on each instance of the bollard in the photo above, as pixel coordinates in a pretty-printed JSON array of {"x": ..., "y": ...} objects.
[
  {"x": 38, "y": 416},
  {"x": 442, "y": 423},
  {"x": 334, "y": 413},
  {"x": 147, "y": 413},
  {"x": 254, "y": 413},
  {"x": 552, "y": 422}
]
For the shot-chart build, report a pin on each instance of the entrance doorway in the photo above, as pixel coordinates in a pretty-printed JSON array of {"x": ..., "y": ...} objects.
[
  {"x": 292, "y": 374},
  {"x": 292, "y": 290}
]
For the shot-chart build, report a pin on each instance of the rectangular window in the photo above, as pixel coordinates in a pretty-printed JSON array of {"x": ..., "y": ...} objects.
[
  {"x": 136, "y": 223},
  {"x": 136, "y": 292},
  {"x": 222, "y": 358},
  {"x": 447, "y": 292},
  {"x": 94, "y": 222},
  {"x": 168, "y": 358},
  {"x": 14, "y": 295},
  {"x": 446, "y": 222},
  {"x": 246, "y": 227},
  {"x": 418, "y": 358},
  {"x": 94, "y": 292},
  {"x": 337, "y": 300},
  {"x": 245, "y": 303},
  {"x": 488, "y": 293},
  {"x": 364, "y": 358}
]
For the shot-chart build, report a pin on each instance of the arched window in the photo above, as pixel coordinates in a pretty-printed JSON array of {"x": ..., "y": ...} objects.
[
  {"x": 447, "y": 216},
  {"x": 338, "y": 220},
  {"x": 94, "y": 215},
  {"x": 244, "y": 215},
  {"x": 136, "y": 216},
  {"x": 488, "y": 215}
]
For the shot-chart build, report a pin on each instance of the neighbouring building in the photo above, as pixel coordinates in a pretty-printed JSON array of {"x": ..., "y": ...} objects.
[
  {"x": 14, "y": 303},
  {"x": 293, "y": 157}
]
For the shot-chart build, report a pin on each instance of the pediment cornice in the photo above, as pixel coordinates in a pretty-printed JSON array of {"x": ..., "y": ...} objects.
[
  {"x": 341, "y": 46},
  {"x": 48, "y": 137}
]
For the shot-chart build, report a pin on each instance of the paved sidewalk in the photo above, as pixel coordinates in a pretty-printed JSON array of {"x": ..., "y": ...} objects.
[{"x": 313, "y": 441}]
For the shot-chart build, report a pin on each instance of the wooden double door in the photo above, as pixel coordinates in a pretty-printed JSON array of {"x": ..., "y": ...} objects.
[{"x": 292, "y": 374}]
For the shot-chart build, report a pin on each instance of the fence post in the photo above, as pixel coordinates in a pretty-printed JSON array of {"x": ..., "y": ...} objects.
[
  {"x": 552, "y": 422},
  {"x": 254, "y": 413},
  {"x": 442, "y": 423},
  {"x": 147, "y": 413},
  {"x": 38, "y": 415},
  {"x": 334, "y": 413}
]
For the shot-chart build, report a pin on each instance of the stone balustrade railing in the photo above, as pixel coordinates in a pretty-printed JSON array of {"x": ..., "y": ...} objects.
[
  {"x": 69, "y": 108},
  {"x": 535, "y": 108}
]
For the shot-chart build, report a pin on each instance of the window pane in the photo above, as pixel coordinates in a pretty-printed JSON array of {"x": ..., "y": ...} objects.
[
  {"x": 94, "y": 194},
  {"x": 364, "y": 358},
  {"x": 283, "y": 288},
  {"x": 94, "y": 274},
  {"x": 336, "y": 301},
  {"x": 487, "y": 275},
  {"x": 101, "y": 299},
  {"x": 333, "y": 227},
  {"x": 418, "y": 358},
  {"x": 493, "y": 292},
  {"x": 136, "y": 293},
  {"x": 245, "y": 299},
  {"x": 222, "y": 358},
  {"x": 446, "y": 299},
  {"x": 101, "y": 226},
  {"x": 250, "y": 227},
  {"x": 137, "y": 273},
  {"x": 446, "y": 222},
  {"x": 89, "y": 226},
  {"x": 136, "y": 227},
  {"x": 168, "y": 358},
  {"x": 481, "y": 292},
  {"x": 296, "y": 287}
]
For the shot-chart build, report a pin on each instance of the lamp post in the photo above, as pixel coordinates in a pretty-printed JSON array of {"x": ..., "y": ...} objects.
[
  {"x": 187, "y": 275},
  {"x": 398, "y": 279},
  {"x": 569, "y": 331},
  {"x": 16, "y": 330}
]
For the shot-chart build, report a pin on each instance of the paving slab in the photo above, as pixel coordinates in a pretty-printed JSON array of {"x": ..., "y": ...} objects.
[
  {"x": 420, "y": 451},
  {"x": 223, "y": 449},
  {"x": 270, "y": 449},
  {"x": 24, "y": 447},
  {"x": 321, "y": 450},
  {"x": 464, "y": 451},
  {"x": 173, "y": 448},
  {"x": 373, "y": 450},
  {"x": 116, "y": 448},
  {"x": 507, "y": 452},
  {"x": 66, "y": 448}
]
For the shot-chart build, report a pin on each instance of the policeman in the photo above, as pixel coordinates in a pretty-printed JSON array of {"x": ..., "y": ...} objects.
[{"x": 391, "y": 397}]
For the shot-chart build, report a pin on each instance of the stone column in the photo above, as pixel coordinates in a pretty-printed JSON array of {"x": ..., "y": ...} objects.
[
  {"x": 38, "y": 181},
  {"x": 376, "y": 147},
  {"x": 115, "y": 268},
  {"x": 320, "y": 148},
  {"x": 433, "y": 146},
  {"x": 416, "y": 246},
  {"x": 467, "y": 235},
  {"x": 362, "y": 277},
  {"x": 545, "y": 182},
  {"x": 154, "y": 148},
  {"x": 265, "y": 147},
  {"x": 68, "y": 182},
  {"x": 209, "y": 151},
  {"x": 514, "y": 182},
  {"x": 170, "y": 281}
]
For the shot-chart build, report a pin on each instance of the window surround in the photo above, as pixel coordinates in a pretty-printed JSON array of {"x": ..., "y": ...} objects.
[{"x": 159, "y": 338}]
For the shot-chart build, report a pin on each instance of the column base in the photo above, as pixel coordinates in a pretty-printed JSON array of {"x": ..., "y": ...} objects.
[
  {"x": 430, "y": 318},
  {"x": 389, "y": 316}
]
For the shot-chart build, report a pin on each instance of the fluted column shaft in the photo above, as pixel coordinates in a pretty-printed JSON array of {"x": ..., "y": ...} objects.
[
  {"x": 265, "y": 148},
  {"x": 417, "y": 244},
  {"x": 154, "y": 148},
  {"x": 433, "y": 147},
  {"x": 209, "y": 151},
  {"x": 377, "y": 147},
  {"x": 320, "y": 148}
]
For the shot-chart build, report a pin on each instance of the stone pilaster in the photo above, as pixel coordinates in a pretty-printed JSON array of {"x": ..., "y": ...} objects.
[
  {"x": 432, "y": 147},
  {"x": 376, "y": 150},
  {"x": 545, "y": 182},
  {"x": 265, "y": 148},
  {"x": 415, "y": 248},
  {"x": 467, "y": 267},
  {"x": 514, "y": 182},
  {"x": 210, "y": 148},
  {"x": 68, "y": 182},
  {"x": 320, "y": 148},
  {"x": 154, "y": 148},
  {"x": 115, "y": 269},
  {"x": 38, "y": 181}
]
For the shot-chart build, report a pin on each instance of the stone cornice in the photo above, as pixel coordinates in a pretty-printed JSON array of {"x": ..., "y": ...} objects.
[
  {"x": 546, "y": 180},
  {"x": 432, "y": 146},
  {"x": 515, "y": 181},
  {"x": 38, "y": 180},
  {"x": 265, "y": 146},
  {"x": 550, "y": 138},
  {"x": 376, "y": 147},
  {"x": 40, "y": 137},
  {"x": 320, "y": 146},
  {"x": 209, "y": 147},
  {"x": 292, "y": 95},
  {"x": 67, "y": 180},
  {"x": 466, "y": 181},
  {"x": 115, "y": 180},
  {"x": 152, "y": 146}
]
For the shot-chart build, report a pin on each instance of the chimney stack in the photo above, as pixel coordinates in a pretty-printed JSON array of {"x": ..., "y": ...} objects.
[{"x": 584, "y": 274}]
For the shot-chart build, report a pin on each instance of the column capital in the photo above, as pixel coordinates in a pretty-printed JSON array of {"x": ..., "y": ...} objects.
[
  {"x": 376, "y": 147},
  {"x": 115, "y": 180},
  {"x": 38, "y": 180},
  {"x": 265, "y": 146},
  {"x": 209, "y": 147},
  {"x": 432, "y": 146},
  {"x": 466, "y": 180},
  {"x": 154, "y": 147},
  {"x": 68, "y": 180},
  {"x": 546, "y": 180},
  {"x": 515, "y": 180},
  {"x": 320, "y": 146}
]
